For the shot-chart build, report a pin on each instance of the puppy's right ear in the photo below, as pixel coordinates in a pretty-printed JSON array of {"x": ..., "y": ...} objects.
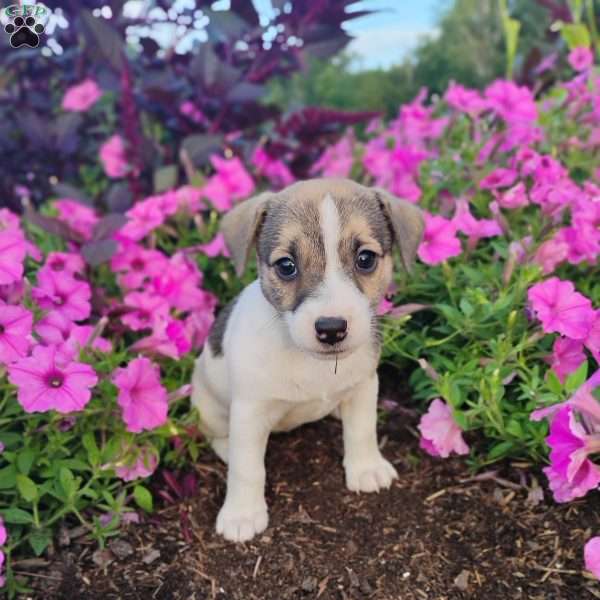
[{"x": 240, "y": 227}]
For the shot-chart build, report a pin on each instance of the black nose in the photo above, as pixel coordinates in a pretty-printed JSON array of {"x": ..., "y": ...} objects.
[{"x": 331, "y": 330}]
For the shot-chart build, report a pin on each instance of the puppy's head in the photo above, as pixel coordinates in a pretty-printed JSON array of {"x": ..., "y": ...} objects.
[{"x": 324, "y": 249}]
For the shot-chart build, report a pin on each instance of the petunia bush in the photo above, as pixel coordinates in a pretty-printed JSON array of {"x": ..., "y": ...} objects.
[{"x": 497, "y": 328}]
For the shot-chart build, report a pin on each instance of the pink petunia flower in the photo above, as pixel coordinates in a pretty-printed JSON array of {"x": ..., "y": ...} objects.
[
  {"x": 140, "y": 463},
  {"x": 13, "y": 248},
  {"x": 216, "y": 247},
  {"x": 143, "y": 218},
  {"x": 60, "y": 291},
  {"x": 476, "y": 229},
  {"x": 336, "y": 160},
  {"x": 68, "y": 262},
  {"x": 550, "y": 254},
  {"x": 142, "y": 397},
  {"x": 136, "y": 264},
  {"x": 15, "y": 332},
  {"x": 561, "y": 309},
  {"x": 581, "y": 58},
  {"x": 189, "y": 198},
  {"x": 197, "y": 326},
  {"x": 514, "y": 197},
  {"x": 591, "y": 553},
  {"x": 45, "y": 382},
  {"x": 3, "y": 538},
  {"x": 513, "y": 103},
  {"x": 385, "y": 306},
  {"x": 113, "y": 157},
  {"x": 82, "y": 96},
  {"x": 231, "y": 182},
  {"x": 168, "y": 338},
  {"x": 440, "y": 435},
  {"x": 571, "y": 473},
  {"x": 78, "y": 217},
  {"x": 464, "y": 99},
  {"x": 498, "y": 178},
  {"x": 567, "y": 357},
  {"x": 274, "y": 169},
  {"x": 148, "y": 308},
  {"x": 592, "y": 341},
  {"x": 439, "y": 240}
]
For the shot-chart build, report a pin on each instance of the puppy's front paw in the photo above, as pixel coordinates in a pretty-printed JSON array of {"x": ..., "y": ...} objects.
[
  {"x": 242, "y": 524},
  {"x": 369, "y": 476}
]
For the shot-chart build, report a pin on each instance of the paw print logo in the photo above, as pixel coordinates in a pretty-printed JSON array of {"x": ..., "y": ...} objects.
[{"x": 24, "y": 32}]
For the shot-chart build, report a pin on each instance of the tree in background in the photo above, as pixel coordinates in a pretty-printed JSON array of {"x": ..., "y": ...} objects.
[{"x": 469, "y": 49}]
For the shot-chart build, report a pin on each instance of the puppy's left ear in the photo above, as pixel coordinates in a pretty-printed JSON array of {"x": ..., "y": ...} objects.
[
  {"x": 407, "y": 224},
  {"x": 240, "y": 227}
]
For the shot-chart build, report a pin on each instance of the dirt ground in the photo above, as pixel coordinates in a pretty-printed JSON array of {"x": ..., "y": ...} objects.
[{"x": 437, "y": 534}]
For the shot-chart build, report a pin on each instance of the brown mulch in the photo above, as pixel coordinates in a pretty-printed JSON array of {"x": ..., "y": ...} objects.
[{"x": 432, "y": 536}]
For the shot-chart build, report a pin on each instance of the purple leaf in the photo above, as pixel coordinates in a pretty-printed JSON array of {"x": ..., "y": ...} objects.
[{"x": 96, "y": 253}]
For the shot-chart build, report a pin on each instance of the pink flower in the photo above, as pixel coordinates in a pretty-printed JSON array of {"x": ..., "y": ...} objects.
[
  {"x": 142, "y": 397},
  {"x": 274, "y": 169},
  {"x": 179, "y": 283},
  {"x": 475, "y": 228},
  {"x": 216, "y": 247},
  {"x": 190, "y": 198},
  {"x": 571, "y": 473},
  {"x": 551, "y": 253},
  {"x": 591, "y": 553},
  {"x": 60, "y": 291},
  {"x": 581, "y": 58},
  {"x": 198, "y": 325},
  {"x": 81, "y": 219},
  {"x": 336, "y": 161},
  {"x": 567, "y": 357},
  {"x": 143, "y": 218},
  {"x": 440, "y": 435},
  {"x": 12, "y": 254},
  {"x": 592, "y": 341},
  {"x": 137, "y": 264},
  {"x": 385, "y": 306},
  {"x": 113, "y": 158},
  {"x": 82, "y": 96},
  {"x": 439, "y": 240},
  {"x": 3, "y": 534},
  {"x": 190, "y": 110},
  {"x": 561, "y": 309},
  {"x": 64, "y": 261},
  {"x": 513, "y": 103},
  {"x": 141, "y": 464},
  {"x": 231, "y": 182},
  {"x": 147, "y": 307},
  {"x": 498, "y": 178},
  {"x": 464, "y": 99},
  {"x": 46, "y": 383},
  {"x": 515, "y": 197},
  {"x": 15, "y": 332},
  {"x": 169, "y": 338}
]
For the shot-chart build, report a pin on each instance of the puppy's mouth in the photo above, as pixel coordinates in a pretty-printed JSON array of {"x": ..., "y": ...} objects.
[{"x": 332, "y": 353}]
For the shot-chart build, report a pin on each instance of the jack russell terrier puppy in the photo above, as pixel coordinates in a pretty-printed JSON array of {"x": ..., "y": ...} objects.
[{"x": 301, "y": 342}]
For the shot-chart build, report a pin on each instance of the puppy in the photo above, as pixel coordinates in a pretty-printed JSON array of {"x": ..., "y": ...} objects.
[{"x": 301, "y": 341}]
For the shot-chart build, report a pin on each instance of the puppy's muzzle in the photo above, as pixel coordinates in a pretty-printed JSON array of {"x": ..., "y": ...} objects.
[{"x": 331, "y": 330}]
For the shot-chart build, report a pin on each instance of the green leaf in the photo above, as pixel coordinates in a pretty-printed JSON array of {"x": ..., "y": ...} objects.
[
  {"x": 39, "y": 541},
  {"x": 67, "y": 482},
  {"x": 575, "y": 35},
  {"x": 143, "y": 498},
  {"x": 553, "y": 382},
  {"x": 16, "y": 516},
  {"x": 576, "y": 380},
  {"x": 500, "y": 450},
  {"x": 89, "y": 443},
  {"x": 8, "y": 477},
  {"x": 25, "y": 460},
  {"x": 27, "y": 488},
  {"x": 466, "y": 307},
  {"x": 596, "y": 393},
  {"x": 514, "y": 428}
]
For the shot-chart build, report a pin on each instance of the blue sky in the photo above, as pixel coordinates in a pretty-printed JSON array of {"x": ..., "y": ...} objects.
[{"x": 385, "y": 38}]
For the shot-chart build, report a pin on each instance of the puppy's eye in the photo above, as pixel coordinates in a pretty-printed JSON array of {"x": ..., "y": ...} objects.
[
  {"x": 366, "y": 261},
  {"x": 286, "y": 268}
]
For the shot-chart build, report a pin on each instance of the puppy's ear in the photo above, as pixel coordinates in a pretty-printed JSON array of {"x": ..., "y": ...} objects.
[
  {"x": 240, "y": 228},
  {"x": 407, "y": 224}
]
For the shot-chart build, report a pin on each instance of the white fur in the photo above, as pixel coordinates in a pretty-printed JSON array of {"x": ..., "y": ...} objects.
[{"x": 270, "y": 378}]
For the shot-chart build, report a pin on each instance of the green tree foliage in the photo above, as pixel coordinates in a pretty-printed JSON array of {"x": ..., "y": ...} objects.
[{"x": 469, "y": 49}]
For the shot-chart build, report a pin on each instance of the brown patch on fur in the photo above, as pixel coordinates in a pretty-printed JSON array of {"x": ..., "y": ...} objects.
[
  {"x": 292, "y": 228},
  {"x": 217, "y": 332}
]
